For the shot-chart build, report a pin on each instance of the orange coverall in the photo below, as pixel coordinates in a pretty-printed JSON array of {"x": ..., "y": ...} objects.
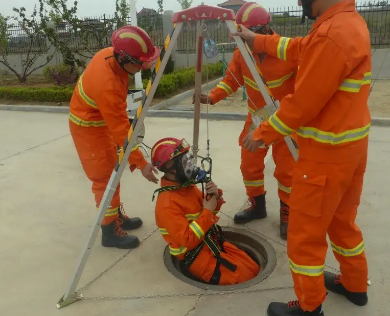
[
  {"x": 183, "y": 222},
  {"x": 330, "y": 113},
  {"x": 280, "y": 78},
  {"x": 98, "y": 122}
]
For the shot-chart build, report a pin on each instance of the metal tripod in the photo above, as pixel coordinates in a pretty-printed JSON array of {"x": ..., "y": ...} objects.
[{"x": 202, "y": 12}]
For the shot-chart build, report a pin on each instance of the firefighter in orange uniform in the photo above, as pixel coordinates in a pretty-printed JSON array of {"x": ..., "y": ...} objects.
[
  {"x": 329, "y": 111},
  {"x": 187, "y": 219},
  {"x": 280, "y": 78},
  {"x": 99, "y": 123}
]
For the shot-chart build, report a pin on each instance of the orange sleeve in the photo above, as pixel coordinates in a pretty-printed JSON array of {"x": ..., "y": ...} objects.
[
  {"x": 182, "y": 232},
  {"x": 285, "y": 48},
  {"x": 323, "y": 69},
  {"x": 114, "y": 111},
  {"x": 232, "y": 81}
]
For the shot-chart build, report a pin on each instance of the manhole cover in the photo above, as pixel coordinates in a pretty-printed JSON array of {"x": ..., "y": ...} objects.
[{"x": 254, "y": 245}]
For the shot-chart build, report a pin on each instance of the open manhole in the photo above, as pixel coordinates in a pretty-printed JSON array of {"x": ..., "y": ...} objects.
[{"x": 259, "y": 249}]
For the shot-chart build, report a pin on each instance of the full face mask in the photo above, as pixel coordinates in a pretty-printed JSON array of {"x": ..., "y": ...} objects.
[
  {"x": 306, "y": 10},
  {"x": 186, "y": 169}
]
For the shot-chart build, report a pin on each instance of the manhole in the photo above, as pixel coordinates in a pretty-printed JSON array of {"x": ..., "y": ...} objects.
[{"x": 254, "y": 245}]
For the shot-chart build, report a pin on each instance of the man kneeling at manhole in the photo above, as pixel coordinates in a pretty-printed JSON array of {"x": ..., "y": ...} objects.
[{"x": 187, "y": 217}]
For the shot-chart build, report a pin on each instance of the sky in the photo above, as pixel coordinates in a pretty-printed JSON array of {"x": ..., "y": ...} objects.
[{"x": 91, "y": 8}]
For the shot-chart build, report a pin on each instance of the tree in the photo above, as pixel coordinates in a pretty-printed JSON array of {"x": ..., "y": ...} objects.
[
  {"x": 160, "y": 6},
  {"x": 185, "y": 4},
  {"x": 77, "y": 39},
  {"x": 122, "y": 12},
  {"x": 33, "y": 41}
]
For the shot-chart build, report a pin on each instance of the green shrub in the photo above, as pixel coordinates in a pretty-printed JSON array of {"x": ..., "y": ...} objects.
[
  {"x": 169, "y": 83},
  {"x": 55, "y": 94},
  {"x": 61, "y": 74}
]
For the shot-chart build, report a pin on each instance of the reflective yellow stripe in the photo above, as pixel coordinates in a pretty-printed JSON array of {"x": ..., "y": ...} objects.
[
  {"x": 111, "y": 212},
  {"x": 278, "y": 82},
  {"x": 163, "y": 231},
  {"x": 282, "y": 47},
  {"x": 332, "y": 138},
  {"x": 279, "y": 126},
  {"x": 306, "y": 270},
  {"x": 251, "y": 83},
  {"x": 177, "y": 251},
  {"x": 225, "y": 87},
  {"x": 79, "y": 121},
  {"x": 283, "y": 188},
  {"x": 255, "y": 183},
  {"x": 192, "y": 217},
  {"x": 83, "y": 95},
  {"x": 198, "y": 231},
  {"x": 353, "y": 85},
  {"x": 358, "y": 250}
]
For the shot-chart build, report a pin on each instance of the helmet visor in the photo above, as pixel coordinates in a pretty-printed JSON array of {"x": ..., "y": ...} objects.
[{"x": 183, "y": 147}]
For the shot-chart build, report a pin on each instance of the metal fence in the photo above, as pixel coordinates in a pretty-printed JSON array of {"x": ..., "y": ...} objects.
[
  {"x": 287, "y": 22},
  {"x": 95, "y": 33},
  {"x": 91, "y": 34}
]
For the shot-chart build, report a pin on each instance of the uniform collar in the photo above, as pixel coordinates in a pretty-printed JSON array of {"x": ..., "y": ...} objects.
[
  {"x": 181, "y": 191},
  {"x": 342, "y": 6}
]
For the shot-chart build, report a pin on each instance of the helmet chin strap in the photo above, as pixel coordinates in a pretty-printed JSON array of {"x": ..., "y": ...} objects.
[{"x": 306, "y": 10}]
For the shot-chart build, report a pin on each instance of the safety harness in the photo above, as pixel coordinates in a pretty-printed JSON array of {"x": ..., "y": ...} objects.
[
  {"x": 214, "y": 239},
  {"x": 214, "y": 236}
]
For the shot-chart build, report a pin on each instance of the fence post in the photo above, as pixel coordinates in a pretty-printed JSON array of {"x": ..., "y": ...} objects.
[{"x": 168, "y": 29}]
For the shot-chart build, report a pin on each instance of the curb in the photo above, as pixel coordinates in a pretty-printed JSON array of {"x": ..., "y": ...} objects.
[
  {"x": 184, "y": 95},
  {"x": 217, "y": 116}
]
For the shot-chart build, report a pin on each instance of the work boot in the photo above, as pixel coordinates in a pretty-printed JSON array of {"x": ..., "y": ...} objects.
[
  {"x": 333, "y": 284},
  {"x": 114, "y": 236},
  {"x": 284, "y": 211},
  {"x": 256, "y": 210},
  {"x": 127, "y": 222},
  {"x": 292, "y": 308}
]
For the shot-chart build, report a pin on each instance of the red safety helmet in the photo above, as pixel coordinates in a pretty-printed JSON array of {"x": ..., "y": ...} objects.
[
  {"x": 167, "y": 149},
  {"x": 253, "y": 15},
  {"x": 135, "y": 45}
]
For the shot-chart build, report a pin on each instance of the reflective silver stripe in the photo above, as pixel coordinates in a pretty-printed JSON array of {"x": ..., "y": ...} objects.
[
  {"x": 254, "y": 183},
  {"x": 279, "y": 126},
  {"x": 192, "y": 217},
  {"x": 353, "y": 85},
  {"x": 251, "y": 83},
  {"x": 83, "y": 95},
  {"x": 306, "y": 270},
  {"x": 83, "y": 123},
  {"x": 332, "y": 138},
  {"x": 163, "y": 231},
  {"x": 358, "y": 250},
  {"x": 177, "y": 251},
  {"x": 197, "y": 230},
  {"x": 111, "y": 212},
  {"x": 278, "y": 82},
  {"x": 282, "y": 47},
  {"x": 283, "y": 188},
  {"x": 225, "y": 87}
]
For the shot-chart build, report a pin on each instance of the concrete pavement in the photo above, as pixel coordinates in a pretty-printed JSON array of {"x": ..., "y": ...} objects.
[{"x": 47, "y": 208}]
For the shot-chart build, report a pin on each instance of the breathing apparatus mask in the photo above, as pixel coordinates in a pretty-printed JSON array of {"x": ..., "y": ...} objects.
[
  {"x": 186, "y": 169},
  {"x": 306, "y": 10}
]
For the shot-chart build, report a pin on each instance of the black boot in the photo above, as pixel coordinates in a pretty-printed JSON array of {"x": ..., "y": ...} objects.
[
  {"x": 127, "y": 222},
  {"x": 114, "y": 236},
  {"x": 284, "y": 211},
  {"x": 292, "y": 308},
  {"x": 257, "y": 210},
  {"x": 333, "y": 284}
]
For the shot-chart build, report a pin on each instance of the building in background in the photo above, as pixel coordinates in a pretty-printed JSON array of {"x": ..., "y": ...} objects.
[{"x": 234, "y": 5}]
